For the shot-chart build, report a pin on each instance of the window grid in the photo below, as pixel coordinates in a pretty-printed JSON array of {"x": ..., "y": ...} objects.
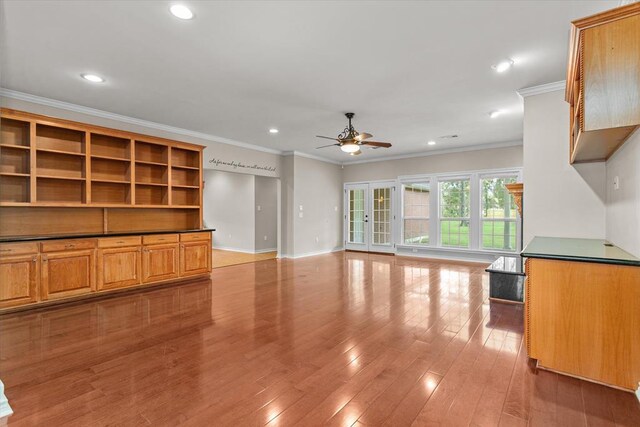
[
  {"x": 454, "y": 197},
  {"x": 498, "y": 213},
  {"x": 382, "y": 216},
  {"x": 415, "y": 213},
  {"x": 356, "y": 216}
]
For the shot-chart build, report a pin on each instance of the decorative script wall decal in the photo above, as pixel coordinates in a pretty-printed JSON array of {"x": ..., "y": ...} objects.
[{"x": 240, "y": 165}]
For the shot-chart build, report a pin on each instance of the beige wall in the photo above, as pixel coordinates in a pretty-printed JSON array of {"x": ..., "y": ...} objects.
[
  {"x": 623, "y": 205},
  {"x": 266, "y": 213},
  {"x": 560, "y": 200},
  {"x": 228, "y": 200},
  {"x": 493, "y": 158},
  {"x": 317, "y": 187}
]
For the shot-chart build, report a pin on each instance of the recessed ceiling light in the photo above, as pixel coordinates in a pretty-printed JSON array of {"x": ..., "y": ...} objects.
[
  {"x": 273, "y": 130},
  {"x": 181, "y": 11},
  {"x": 495, "y": 114},
  {"x": 431, "y": 143},
  {"x": 503, "y": 66},
  {"x": 92, "y": 78}
]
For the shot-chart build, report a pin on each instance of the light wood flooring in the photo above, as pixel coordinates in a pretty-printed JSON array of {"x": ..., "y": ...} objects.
[
  {"x": 222, "y": 258},
  {"x": 344, "y": 339}
]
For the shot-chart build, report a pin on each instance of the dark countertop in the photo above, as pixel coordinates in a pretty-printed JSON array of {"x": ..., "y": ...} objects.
[
  {"x": 507, "y": 265},
  {"x": 7, "y": 239},
  {"x": 585, "y": 250}
]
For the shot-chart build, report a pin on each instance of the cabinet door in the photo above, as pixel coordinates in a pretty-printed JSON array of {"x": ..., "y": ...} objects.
[
  {"x": 19, "y": 277},
  {"x": 159, "y": 262},
  {"x": 195, "y": 258},
  {"x": 68, "y": 273},
  {"x": 119, "y": 267}
]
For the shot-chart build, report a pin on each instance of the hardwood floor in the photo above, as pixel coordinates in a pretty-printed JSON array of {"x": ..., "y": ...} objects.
[
  {"x": 222, "y": 258},
  {"x": 341, "y": 339}
]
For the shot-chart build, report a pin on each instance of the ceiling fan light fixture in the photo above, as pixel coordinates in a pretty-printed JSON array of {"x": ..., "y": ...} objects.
[{"x": 350, "y": 147}]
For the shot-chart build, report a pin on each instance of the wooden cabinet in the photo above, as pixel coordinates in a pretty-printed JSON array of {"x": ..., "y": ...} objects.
[
  {"x": 603, "y": 82},
  {"x": 34, "y": 273},
  {"x": 68, "y": 273},
  {"x": 582, "y": 319},
  {"x": 160, "y": 262},
  {"x": 20, "y": 279},
  {"x": 119, "y": 267},
  {"x": 195, "y": 258}
]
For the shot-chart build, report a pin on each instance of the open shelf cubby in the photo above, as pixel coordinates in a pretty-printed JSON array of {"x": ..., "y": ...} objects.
[
  {"x": 185, "y": 196},
  {"x": 151, "y": 195},
  {"x": 14, "y": 189},
  {"x": 14, "y": 132},
  {"x": 60, "y": 165},
  {"x": 53, "y": 190},
  {"x": 185, "y": 177},
  {"x": 152, "y": 153},
  {"x": 110, "y": 147},
  {"x": 110, "y": 170},
  {"x": 185, "y": 158},
  {"x": 14, "y": 160},
  {"x": 61, "y": 140},
  {"x": 151, "y": 174},
  {"x": 110, "y": 193}
]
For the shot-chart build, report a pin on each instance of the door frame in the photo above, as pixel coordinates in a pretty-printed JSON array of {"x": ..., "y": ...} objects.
[{"x": 369, "y": 186}]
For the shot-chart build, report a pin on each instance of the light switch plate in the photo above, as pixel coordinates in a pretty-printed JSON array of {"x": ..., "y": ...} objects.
[
  {"x": 616, "y": 183},
  {"x": 259, "y": 208}
]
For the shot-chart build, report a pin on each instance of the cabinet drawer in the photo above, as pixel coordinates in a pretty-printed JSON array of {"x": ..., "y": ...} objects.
[
  {"x": 68, "y": 245},
  {"x": 195, "y": 237},
  {"x": 119, "y": 242},
  {"x": 9, "y": 249},
  {"x": 159, "y": 238}
]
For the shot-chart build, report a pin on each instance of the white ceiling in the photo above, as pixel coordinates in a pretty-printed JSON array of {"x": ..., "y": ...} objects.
[{"x": 411, "y": 71}]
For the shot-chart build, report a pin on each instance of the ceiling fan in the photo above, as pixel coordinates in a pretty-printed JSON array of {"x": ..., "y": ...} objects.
[{"x": 350, "y": 141}]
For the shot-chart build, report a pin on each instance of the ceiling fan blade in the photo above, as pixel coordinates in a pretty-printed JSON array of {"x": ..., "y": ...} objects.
[
  {"x": 325, "y": 146},
  {"x": 327, "y": 137},
  {"x": 377, "y": 144},
  {"x": 362, "y": 136}
]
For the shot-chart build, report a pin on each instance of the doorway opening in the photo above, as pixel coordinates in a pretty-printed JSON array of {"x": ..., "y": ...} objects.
[
  {"x": 244, "y": 210},
  {"x": 369, "y": 215}
]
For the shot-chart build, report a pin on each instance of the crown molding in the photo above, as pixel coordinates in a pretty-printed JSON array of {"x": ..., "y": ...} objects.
[
  {"x": 540, "y": 89},
  {"x": 310, "y": 156},
  {"x": 438, "y": 152},
  {"x": 21, "y": 96}
]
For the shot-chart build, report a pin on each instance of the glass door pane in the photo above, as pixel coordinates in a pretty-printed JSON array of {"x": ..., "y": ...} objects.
[
  {"x": 382, "y": 216},
  {"x": 356, "y": 216}
]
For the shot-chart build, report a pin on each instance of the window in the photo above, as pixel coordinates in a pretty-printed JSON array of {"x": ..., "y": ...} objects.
[
  {"x": 382, "y": 216},
  {"x": 415, "y": 213},
  {"x": 356, "y": 216},
  {"x": 454, "y": 213},
  {"x": 497, "y": 214}
]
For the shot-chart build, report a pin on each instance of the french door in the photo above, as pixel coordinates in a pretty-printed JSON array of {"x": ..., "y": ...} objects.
[{"x": 369, "y": 217}]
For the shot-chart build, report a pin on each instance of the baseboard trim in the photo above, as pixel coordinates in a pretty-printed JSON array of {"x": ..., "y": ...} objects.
[
  {"x": 310, "y": 254},
  {"x": 264, "y": 251}
]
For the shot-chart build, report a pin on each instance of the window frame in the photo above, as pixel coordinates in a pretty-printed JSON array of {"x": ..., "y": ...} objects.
[
  {"x": 470, "y": 210},
  {"x": 402, "y": 216},
  {"x": 517, "y": 221}
]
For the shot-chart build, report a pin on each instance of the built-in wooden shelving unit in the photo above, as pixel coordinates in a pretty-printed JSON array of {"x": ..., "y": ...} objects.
[{"x": 54, "y": 163}]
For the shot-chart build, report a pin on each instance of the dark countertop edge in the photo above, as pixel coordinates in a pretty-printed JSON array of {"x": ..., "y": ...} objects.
[
  {"x": 512, "y": 273},
  {"x": 11, "y": 239},
  {"x": 631, "y": 263}
]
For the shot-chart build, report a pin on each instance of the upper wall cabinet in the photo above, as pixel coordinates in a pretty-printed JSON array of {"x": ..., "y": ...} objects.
[{"x": 603, "y": 82}]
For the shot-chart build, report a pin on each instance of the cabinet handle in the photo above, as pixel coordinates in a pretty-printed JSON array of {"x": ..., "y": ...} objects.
[
  {"x": 69, "y": 246},
  {"x": 5, "y": 250},
  {"x": 120, "y": 241},
  {"x": 35, "y": 258}
]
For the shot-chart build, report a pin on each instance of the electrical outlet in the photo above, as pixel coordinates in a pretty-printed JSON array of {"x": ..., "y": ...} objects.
[
  {"x": 300, "y": 208},
  {"x": 317, "y": 239},
  {"x": 335, "y": 208},
  {"x": 265, "y": 237},
  {"x": 414, "y": 251},
  {"x": 259, "y": 208},
  {"x": 300, "y": 215}
]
